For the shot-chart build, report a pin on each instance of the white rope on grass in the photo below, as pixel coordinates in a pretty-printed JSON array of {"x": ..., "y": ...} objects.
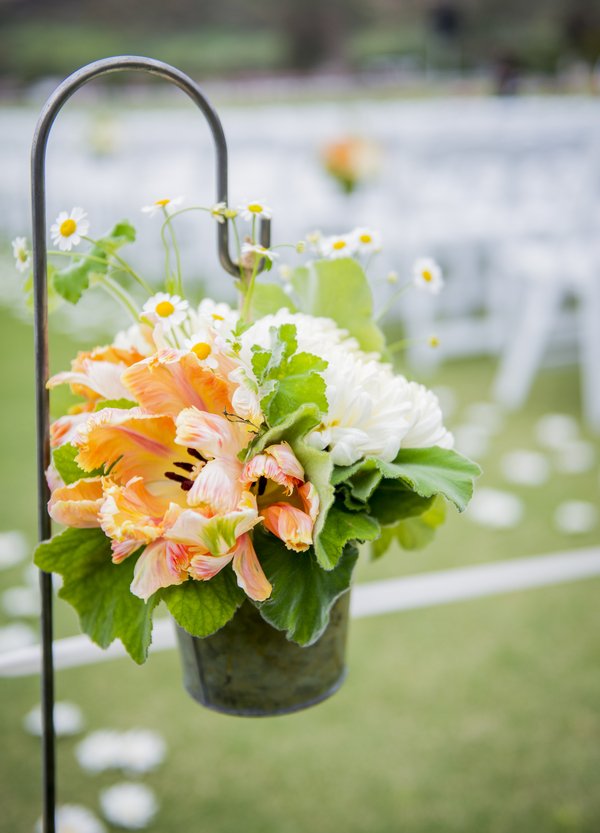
[{"x": 370, "y": 599}]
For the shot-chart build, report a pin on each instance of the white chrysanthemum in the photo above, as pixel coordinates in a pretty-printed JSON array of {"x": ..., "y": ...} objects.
[
  {"x": 135, "y": 751},
  {"x": 68, "y": 720},
  {"x": 128, "y": 805},
  {"x": 367, "y": 241},
  {"x": 368, "y": 412},
  {"x": 426, "y": 426},
  {"x": 427, "y": 275},
  {"x": 69, "y": 228},
  {"x": 255, "y": 208},
  {"x": 340, "y": 245},
  {"x": 21, "y": 254},
  {"x": 73, "y": 818},
  {"x": 167, "y": 310},
  {"x": 167, "y": 204},
  {"x": 261, "y": 251}
]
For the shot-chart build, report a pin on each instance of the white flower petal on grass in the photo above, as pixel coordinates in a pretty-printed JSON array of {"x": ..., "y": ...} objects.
[
  {"x": 575, "y": 457},
  {"x": 21, "y": 601},
  {"x": 167, "y": 310},
  {"x": 255, "y": 208},
  {"x": 576, "y": 517},
  {"x": 128, "y": 805},
  {"x": 525, "y": 468},
  {"x": 495, "y": 509},
  {"x": 486, "y": 414},
  {"x": 73, "y": 818},
  {"x": 135, "y": 751},
  {"x": 69, "y": 228},
  {"x": 555, "y": 430},
  {"x": 427, "y": 275},
  {"x": 21, "y": 254},
  {"x": 15, "y": 636},
  {"x": 159, "y": 206},
  {"x": 13, "y": 549},
  {"x": 68, "y": 720},
  {"x": 472, "y": 440}
]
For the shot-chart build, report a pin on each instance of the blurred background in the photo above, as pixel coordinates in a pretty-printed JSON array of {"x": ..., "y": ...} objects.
[{"x": 467, "y": 131}]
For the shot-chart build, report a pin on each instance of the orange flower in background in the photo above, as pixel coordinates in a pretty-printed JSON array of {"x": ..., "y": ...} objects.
[{"x": 352, "y": 161}]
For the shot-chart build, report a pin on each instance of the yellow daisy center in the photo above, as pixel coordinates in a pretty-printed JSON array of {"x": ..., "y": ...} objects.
[
  {"x": 434, "y": 341},
  {"x": 426, "y": 275},
  {"x": 217, "y": 317},
  {"x": 365, "y": 238},
  {"x": 164, "y": 309},
  {"x": 255, "y": 207},
  {"x": 162, "y": 203},
  {"x": 339, "y": 245},
  {"x": 202, "y": 350},
  {"x": 22, "y": 255},
  {"x": 68, "y": 227}
]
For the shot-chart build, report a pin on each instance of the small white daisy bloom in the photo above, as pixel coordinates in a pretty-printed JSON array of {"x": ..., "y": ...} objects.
[
  {"x": 366, "y": 241},
  {"x": 73, "y": 818},
  {"x": 166, "y": 204},
  {"x": 256, "y": 208},
  {"x": 392, "y": 277},
  {"x": 285, "y": 272},
  {"x": 128, "y": 805},
  {"x": 69, "y": 228},
  {"x": 218, "y": 212},
  {"x": 68, "y": 720},
  {"x": 427, "y": 275},
  {"x": 165, "y": 309},
  {"x": 202, "y": 349},
  {"x": 21, "y": 254},
  {"x": 262, "y": 251},
  {"x": 313, "y": 238},
  {"x": 341, "y": 245}
]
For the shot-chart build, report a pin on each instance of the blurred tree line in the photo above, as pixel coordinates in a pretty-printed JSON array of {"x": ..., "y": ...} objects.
[{"x": 39, "y": 38}]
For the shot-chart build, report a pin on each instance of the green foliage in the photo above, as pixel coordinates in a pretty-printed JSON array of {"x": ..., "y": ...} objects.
[
  {"x": 99, "y": 590},
  {"x": 63, "y": 458},
  {"x": 72, "y": 281},
  {"x": 413, "y": 533},
  {"x": 392, "y": 501},
  {"x": 123, "y": 404},
  {"x": 340, "y": 528},
  {"x": 339, "y": 289},
  {"x": 287, "y": 379},
  {"x": 303, "y": 592},
  {"x": 202, "y": 607},
  {"x": 267, "y": 299}
]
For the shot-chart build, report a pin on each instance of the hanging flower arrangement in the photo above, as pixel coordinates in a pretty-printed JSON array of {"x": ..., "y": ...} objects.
[{"x": 221, "y": 459}]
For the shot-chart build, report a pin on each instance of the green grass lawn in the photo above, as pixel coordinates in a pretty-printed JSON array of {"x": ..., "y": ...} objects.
[{"x": 478, "y": 716}]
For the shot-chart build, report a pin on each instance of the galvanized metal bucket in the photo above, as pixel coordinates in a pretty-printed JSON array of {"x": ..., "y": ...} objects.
[{"x": 250, "y": 669}]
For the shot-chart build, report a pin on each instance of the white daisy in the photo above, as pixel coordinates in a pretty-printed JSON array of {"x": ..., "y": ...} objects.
[
  {"x": 392, "y": 277},
  {"x": 69, "y": 228},
  {"x": 128, "y": 805},
  {"x": 166, "y": 204},
  {"x": 202, "y": 348},
  {"x": 68, "y": 720},
  {"x": 427, "y": 275},
  {"x": 73, "y": 818},
  {"x": 218, "y": 212},
  {"x": 165, "y": 309},
  {"x": 262, "y": 251},
  {"x": 285, "y": 272},
  {"x": 21, "y": 254},
  {"x": 255, "y": 208},
  {"x": 366, "y": 241},
  {"x": 313, "y": 238},
  {"x": 340, "y": 245}
]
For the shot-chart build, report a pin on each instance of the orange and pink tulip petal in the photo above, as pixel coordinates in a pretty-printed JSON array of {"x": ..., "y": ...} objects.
[
  {"x": 250, "y": 574},
  {"x": 218, "y": 486},
  {"x": 78, "y": 504},
  {"x": 162, "y": 564},
  {"x": 293, "y": 526},
  {"x": 213, "y": 435},
  {"x": 277, "y": 463}
]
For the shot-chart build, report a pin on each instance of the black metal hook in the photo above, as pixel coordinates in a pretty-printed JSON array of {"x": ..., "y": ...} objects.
[{"x": 38, "y": 200}]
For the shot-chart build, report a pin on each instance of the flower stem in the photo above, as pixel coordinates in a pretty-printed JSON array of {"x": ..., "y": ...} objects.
[
  {"x": 390, "y": 301},
  {"x": 167, "y": 223},
  {"x": 121, "y": 261},
  {"x": 249, "y": 292},
  {"x": 119, "y": 294}
]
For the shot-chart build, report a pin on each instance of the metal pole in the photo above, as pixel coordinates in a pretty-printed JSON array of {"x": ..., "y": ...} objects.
[{"x": 49, "y": 112}]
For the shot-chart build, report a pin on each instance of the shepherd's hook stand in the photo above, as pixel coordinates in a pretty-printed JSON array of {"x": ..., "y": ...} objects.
[{"x": 38, "y": 201}]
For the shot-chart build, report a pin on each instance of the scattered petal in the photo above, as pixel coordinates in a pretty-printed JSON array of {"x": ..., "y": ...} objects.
[
  {"x": 13, "y": 549},
  {"x": 73, "y": 818},
  {"x": 575, "y": 457},
  {"x": 21, "y": 601},
  {"x": 135, "y": 751},
  {"x": 16, "y": 636},
  {"x": 486, "y": 414},
  {"x": 68, "y": 720},
  {"x": 525, "y": 468},
  {"x": 576, "y": 517},
  {"x": 128, "y": 805},
  {"x": 472, "y": 440},
  {"x": 555, "y": 430},
  {"x": 495, "y": 509}
]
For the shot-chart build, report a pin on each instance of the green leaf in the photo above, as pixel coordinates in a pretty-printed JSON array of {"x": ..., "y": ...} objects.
[
  {"x": 63, "y": 458},
  {"x": 267, "y": 299},
  {"x": 339, "y": 529},
  {"x": 202, "y": 607},
  {"x": 393, "y": 501},
  {"x": 99, "y": 590},
  {"x": 287, "y": 379},
  {"x": 123, "y": 404},
  {"x": 303, "y": 593},
  {"x": 72, "y": 281},
  {"x": 339, "y": 289},
  {"x": 432, "y": 471},
  {"x": 415, "y": 533}
]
